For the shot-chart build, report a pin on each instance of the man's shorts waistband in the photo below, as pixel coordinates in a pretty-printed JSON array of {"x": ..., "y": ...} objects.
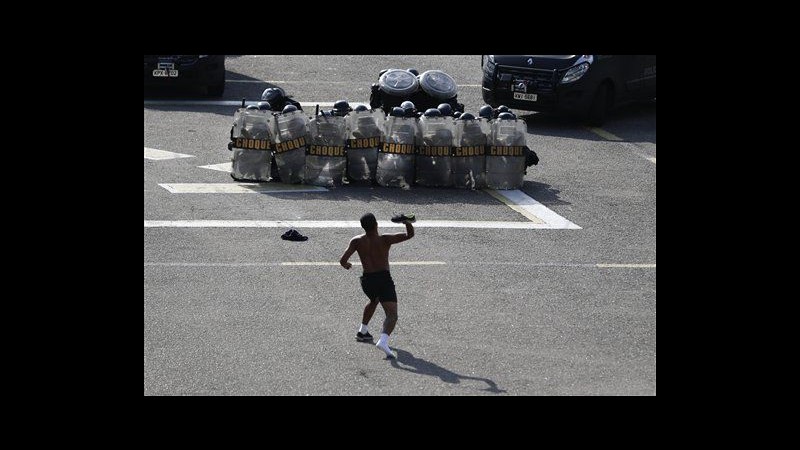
[{"x": 379, "y": 274}]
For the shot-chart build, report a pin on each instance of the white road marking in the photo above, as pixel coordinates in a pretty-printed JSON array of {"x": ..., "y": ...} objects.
[
  {"x": 613, "y": 138},
  {"x": 555, "y": 264},
  {"x": 158, "y": 155},
  {"x": 237, "y": 188},
  {"x": 340, "y": 224},
  {"x": 399, "y": 263},
  {"x": 355, "y": 263},
  {"x": 292, "y": 263},
  {"x": 644, "y": 266},
  {"x": 604, "y": 134},
  {"x": 539, "y": 215},
  {"x": 296, "y": 82},
  {"x": 222, "y": 167},
  {"x": 522, "y": 201},
  {"x": 637, "y": 151},
  {"x": 513, "y": 206}
]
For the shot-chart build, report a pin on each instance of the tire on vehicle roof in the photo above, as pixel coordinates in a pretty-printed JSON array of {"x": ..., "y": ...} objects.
[
  {"x": 438, "y": 84},
  {"x": 398, "y": 82}
]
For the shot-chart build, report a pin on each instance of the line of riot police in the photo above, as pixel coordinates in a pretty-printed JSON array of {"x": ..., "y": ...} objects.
[{"x": 439, "y": 147}]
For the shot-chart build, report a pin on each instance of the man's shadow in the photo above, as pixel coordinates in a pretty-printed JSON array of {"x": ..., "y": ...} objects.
[{"x": 418, "y": 365}]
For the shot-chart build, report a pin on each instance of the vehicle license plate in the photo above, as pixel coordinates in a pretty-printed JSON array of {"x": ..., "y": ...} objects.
[{"x": 526, "y": 97}]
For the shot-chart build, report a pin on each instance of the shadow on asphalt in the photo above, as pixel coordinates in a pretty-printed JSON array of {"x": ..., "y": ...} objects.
[
  {"x": 643, "y": 114},
  {"x": 408, "y": 362},
  {"x": 423, "y": 196},
  {"x": 543, "y": 193}
]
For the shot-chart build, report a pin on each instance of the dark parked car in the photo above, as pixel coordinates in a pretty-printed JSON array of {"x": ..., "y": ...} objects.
[
  {"x": 186, "y": 70},
  {"x": 587, "y": 86}
]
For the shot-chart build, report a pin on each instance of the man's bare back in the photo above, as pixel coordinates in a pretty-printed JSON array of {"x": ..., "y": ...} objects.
[{"x": 373, "y": 248}]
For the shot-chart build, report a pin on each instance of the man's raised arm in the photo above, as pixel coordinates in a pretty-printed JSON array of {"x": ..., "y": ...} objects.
[{"x": 400, "y": 237}]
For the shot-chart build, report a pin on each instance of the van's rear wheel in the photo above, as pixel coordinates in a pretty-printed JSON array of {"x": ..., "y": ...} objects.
[
  {"x": 601, "y": 104},
  {"x": 216, "y": 89}
]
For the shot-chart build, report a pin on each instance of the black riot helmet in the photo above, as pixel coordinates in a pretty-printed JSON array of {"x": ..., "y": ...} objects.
[
  {"x": 506, "y": 116},
  {"x": 502, "y": 109},
  {"x": 264, "y": 106},
  {"x": 273, "y": 95},
  {"x": 289, "y": 108},
  {"x": 408, "y": 104},
  {"x": 341, "y": 108},
  {"x": 445, "y": 109},
  {"x": 467, "y": 116},
  {"x": 433, "y": 112},
  {"x": 397, "y": 112},
  {"x": 485, "y": 112},
  {"x": 360, "y": 108},
  {"x": 409, "y": 107},
  {"x": 252, "y": 108},
  {"x": 456, "y": 114},
  {"x": 413, "y": 70}
]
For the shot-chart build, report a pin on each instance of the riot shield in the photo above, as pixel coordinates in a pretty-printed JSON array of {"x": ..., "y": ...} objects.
[
  {"x": 365, "y": 134},
  {"x": 325, "y": 157},
  {"x": 505, "y": 157},
  {"x": 469, "y": 160},
  {"x": 251, "y": 144},
  {"x": 396, "y": 156},
  {"x": 291, "y": 141},
  {"x": 433, "y": 164}
]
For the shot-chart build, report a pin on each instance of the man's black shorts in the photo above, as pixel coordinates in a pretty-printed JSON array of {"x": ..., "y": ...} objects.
[{"x": 379, "y": 286}]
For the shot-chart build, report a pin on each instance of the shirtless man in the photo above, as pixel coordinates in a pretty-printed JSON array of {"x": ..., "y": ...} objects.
[{"x": 373, "y": 250}]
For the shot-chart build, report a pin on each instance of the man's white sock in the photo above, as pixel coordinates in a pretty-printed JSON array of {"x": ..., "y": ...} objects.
[
  {"x": 383, "y": 344},
  {"x": 384, "y": 340},
  {"x": 363, "y": 329}
]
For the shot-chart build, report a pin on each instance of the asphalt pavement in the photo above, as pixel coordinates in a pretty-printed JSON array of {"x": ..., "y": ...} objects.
[{"x": 482, "y": 311}]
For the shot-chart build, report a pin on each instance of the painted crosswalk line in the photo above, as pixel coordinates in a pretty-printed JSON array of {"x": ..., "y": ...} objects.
[
  {"x": 222, "y": 167},
  {"x": 158, "y": 155},
  {"x": 531, "y": 209},
  {"x": 237, "y": 188},
  {"x": 521, "y": 225},
  {"x": 400, "y": 263}
]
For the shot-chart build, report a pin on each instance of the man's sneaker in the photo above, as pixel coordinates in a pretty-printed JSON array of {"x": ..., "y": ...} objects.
[
  {"x": 401, "y": 217},
  {"x": 361, "y": 337},
  {"x": 386, "y": 349}
]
